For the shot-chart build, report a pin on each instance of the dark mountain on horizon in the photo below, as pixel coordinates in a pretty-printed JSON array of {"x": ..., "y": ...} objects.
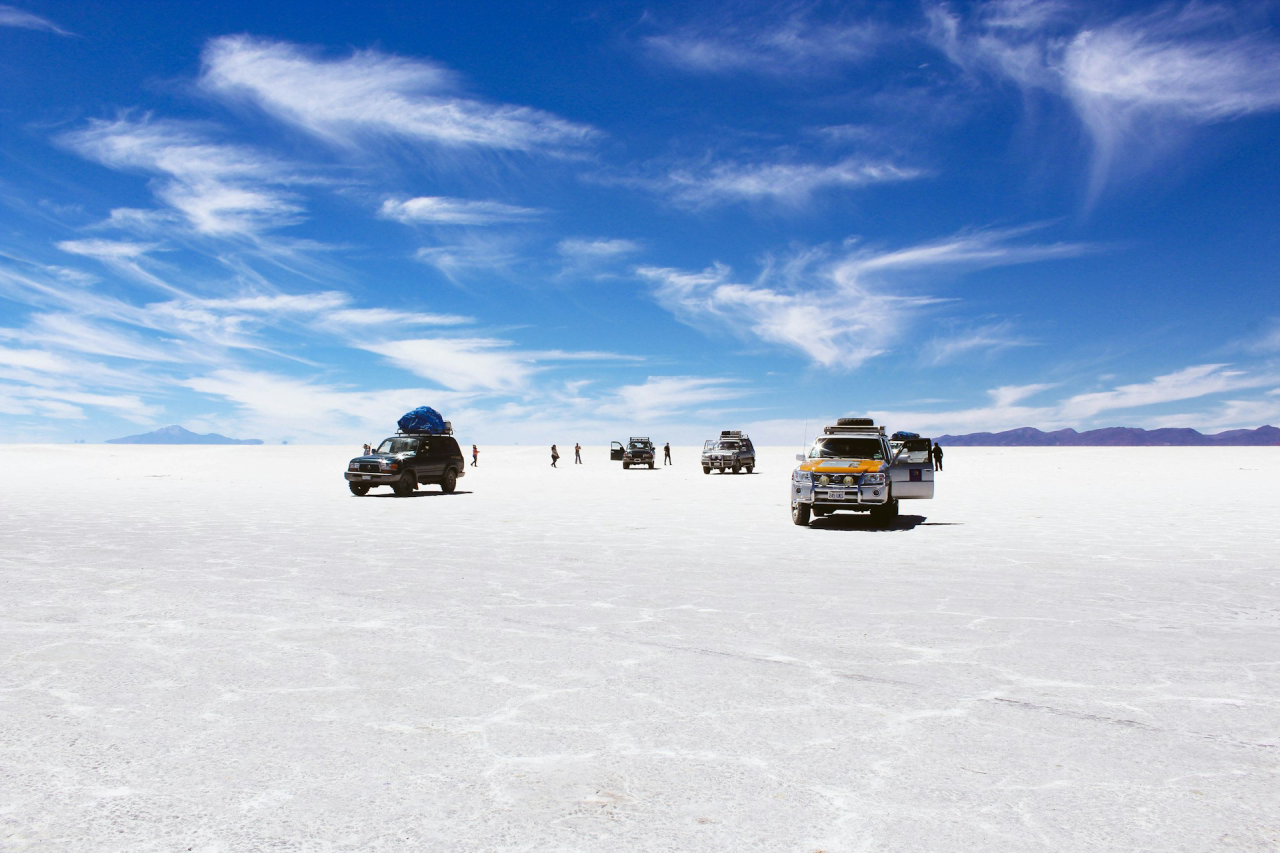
[
  {"x": 1115, "y": 437},
  {"x": 177, "y": 435}
]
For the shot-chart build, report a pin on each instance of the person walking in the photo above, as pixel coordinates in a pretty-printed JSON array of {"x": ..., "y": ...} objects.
[
  {"x": 475, "y": 456},
  {"x": 555, "y": 456},
  {"x": 937, "y": 456},
  {"x": 666, "y": 454},
  {"x": 577, "y": 453}
]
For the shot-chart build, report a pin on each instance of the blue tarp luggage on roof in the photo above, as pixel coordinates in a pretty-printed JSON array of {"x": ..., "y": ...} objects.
[
  {"x": 422, "y": 419},
  {"x": 903, "y": 436}
]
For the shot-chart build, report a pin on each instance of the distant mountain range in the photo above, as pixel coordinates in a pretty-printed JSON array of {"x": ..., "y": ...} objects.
[
  {"x": 177, "y": 435},
  {"x": 1114, "y": 437}
]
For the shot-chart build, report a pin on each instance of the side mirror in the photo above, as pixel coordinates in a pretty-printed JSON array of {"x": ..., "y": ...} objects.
[{"x": 800, "y": 457}]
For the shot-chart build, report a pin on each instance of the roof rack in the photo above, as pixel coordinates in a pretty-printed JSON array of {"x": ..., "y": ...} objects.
[
  {"x": 731, "y": 433},
  {"x": 638, "y": 438},
  {"x": 852, "y": 430}
]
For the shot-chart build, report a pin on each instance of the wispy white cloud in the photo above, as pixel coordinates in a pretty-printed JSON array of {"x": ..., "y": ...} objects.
[
  {"x": 597, "y": 258},
  {"x": 13, "y": 17},
  {"x": 462, "y": 364},
  {"x": 579, "y": 248},
  {"x": 776, "y": 45},
  {"x": 838, "y": 310},
  {"x": 986, "y": 338},
  {"x": 440, "y": 210},
  {"x": 274, "y": 404},
  {"x": 221, "y": 190},
  {"x": 78, "y": 333},
  {"x": 366, "y": 317},
  {"x": 481, "y": 365},
  {"x": 1187, "y": 384},
  {"x": 1119, "y": 405},
  {"x": 122, "y": 256},
  {"x": 473, "y": 253},
  {"x": 660, "y": 397},
  {"x": 785, "y": 183},
  {"x": 374, "y": 94},
  {"x": 1133, "y": 81}
]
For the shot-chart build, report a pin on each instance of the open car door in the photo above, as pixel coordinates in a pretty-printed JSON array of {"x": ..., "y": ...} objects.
[
  {"x": 616, "y": 451},
  {"x": 911, "y": 471}
]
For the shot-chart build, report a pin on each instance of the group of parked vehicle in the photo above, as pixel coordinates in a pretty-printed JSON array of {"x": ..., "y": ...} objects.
[{"x": 852, "y": 467}]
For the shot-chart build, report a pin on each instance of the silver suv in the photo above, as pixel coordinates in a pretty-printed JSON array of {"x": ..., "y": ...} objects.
[{"x": 732, "y": 451}]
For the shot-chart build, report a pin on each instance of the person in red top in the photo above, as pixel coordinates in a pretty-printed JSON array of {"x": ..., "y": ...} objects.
[{"x": 475, "y": 455}]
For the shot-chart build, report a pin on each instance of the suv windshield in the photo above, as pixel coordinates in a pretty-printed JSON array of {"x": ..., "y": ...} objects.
[
  {"x": 398, "y": 445},
  {"x": 730, "y": 445},
  {"x": 639, "y": 445},
  {"x": 841, "y": 447}
]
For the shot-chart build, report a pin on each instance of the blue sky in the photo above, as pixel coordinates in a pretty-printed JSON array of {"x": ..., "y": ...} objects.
[{"x": 574, "y": 222}]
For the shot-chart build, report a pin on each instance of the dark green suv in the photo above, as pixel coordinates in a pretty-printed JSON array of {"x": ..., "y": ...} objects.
[{"x": 406, "y": 461}]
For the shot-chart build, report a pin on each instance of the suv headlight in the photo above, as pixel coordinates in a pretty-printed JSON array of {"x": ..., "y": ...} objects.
[{"x": 873, "y": 479}]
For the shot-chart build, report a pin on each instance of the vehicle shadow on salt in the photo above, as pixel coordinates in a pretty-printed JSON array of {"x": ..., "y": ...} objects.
[
  {"x": 865, "y": 523},
  {"x": 420, "y": 494}
]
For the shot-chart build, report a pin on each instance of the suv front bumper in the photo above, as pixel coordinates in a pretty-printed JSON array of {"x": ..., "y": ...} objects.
[
  {"x": 378, "y": 479},
  {"x": 848, "y": 497}
]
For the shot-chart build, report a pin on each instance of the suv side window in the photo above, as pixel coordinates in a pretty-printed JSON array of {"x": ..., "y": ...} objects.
[{"x": 448, "y": 448}]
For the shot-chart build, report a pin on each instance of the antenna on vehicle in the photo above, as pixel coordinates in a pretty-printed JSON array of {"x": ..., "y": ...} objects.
[{"x": 804, "y": 439}]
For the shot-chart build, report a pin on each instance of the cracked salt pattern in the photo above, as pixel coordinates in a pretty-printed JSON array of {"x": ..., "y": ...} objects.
[{"x": 220, "y": 649}]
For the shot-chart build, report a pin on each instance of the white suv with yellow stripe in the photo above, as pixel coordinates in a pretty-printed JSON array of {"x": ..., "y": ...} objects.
[{"x": 852, "y": 467}]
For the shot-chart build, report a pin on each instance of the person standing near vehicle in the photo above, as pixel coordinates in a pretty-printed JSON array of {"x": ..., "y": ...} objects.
[
  {"x": 555, "y": 456},
  {"x": 367, "y": 448},
  {"x": 937, "y": 456},
  {"x": 577, "y": 453},
  {"x": 475, "y": 456},
  {"x": 666, "y": 454}
]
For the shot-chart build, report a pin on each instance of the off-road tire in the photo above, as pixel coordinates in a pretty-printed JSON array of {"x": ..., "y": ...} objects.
[
  {"x": 706, "y": 469},
  {"x": 450, "y": 482},
  {"x": 625, "y": 464},
  {"x": 750, "y": 468},
  {"x": 737, "y": 468},
  {"x": 358, "y": 489},
  {"x": 887, "y": 514},
  {"x": 406, "y": 485},
  {"x": 800, "y": 514},
  {"x": 650, "y": 466}
]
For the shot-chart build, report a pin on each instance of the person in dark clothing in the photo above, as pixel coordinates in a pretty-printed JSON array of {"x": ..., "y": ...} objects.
[
  {"x": 555, "y": 456},
  {"x": 577, "y": 454},
  {"x": 475, "y": 456},
  {"x": 937, "y": 456},
  {"x": 666, "y": 454}
]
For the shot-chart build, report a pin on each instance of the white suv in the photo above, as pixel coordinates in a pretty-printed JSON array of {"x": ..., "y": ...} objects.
[{"x": 852, "y": 467}]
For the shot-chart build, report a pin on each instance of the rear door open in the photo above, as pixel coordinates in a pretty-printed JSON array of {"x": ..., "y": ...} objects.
[{"x": 911, "y": 471}]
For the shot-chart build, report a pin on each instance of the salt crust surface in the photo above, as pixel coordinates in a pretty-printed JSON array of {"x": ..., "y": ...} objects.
[{"x": 220, "y": 649}]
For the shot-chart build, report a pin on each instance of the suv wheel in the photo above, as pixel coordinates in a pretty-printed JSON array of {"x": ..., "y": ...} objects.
[
  {"x": 650, "y": 466},
  {"x": 450, "y": 482},
  {"x": 357, "y": 489},
  {"x": 706, "y": 469},
  {"x": 736, "y": 467},
  {"x": 625, "y": 464},
  {"x": 405, "y": 485},
  {"x": 800, "y": 514},
  {"x": 886, "y": 514},
  {"x": 750, "y": 468}
]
